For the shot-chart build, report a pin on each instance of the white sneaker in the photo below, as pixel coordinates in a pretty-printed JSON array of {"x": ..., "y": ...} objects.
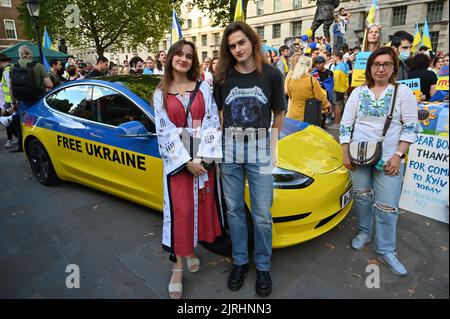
[
  {"x": 8, "y": 144},
  {"x": 6, "y": 120},
  {"x": 14, "y": 140}
]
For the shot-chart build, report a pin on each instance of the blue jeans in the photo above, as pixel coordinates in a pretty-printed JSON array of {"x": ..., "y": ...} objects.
[
  {"x": 377, "y": 195},
  {"x": 261, "y": 196}
]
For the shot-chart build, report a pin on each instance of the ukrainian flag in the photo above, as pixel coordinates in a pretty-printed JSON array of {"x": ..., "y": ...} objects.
[
  {"x": 371, "y": 16},
  {"x": 176, "y": 29},
  {"x": 417, "y": 39},
  {"x": 46, "y": 44},
  {"x": 426, "y": 40},
  {"x": 239, "y": 12}
]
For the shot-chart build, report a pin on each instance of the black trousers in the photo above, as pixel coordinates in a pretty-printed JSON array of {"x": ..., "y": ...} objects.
[{"x": 326, "y": 27}]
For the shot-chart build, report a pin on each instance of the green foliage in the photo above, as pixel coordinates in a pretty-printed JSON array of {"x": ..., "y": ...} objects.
[
  {"x": 103, "y": 23},
  {"x": 222, "y": 11}
]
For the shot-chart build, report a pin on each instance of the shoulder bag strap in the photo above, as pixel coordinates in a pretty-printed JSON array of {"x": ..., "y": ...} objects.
[
  {"x": 389, "y": 117},
  {"x": 191, "y": 100}
]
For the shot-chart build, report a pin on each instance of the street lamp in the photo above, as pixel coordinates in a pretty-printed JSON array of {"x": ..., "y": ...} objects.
[{"x": 33, "y": 10}]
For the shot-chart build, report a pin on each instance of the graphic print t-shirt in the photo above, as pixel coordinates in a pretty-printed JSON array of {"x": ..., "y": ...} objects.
[{"x": 247, "y": 100}]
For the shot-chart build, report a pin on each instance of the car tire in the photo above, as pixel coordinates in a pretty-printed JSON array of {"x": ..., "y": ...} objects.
[{"x": 41, "y": 164}]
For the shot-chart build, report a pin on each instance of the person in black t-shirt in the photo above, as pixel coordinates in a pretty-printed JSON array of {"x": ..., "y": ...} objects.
[
  {"x": 419, "y": 69},
  {"x": 248, "y": 92},
  {"x": 100, "y": 68}
]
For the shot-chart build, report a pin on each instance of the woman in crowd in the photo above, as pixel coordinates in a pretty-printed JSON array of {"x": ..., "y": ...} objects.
[
  {"x": 269, "y": 59},
  {"x": 191, "y": 187},
  {"x": 377, "y": 189},
  {"x": 418, "y": 68},
  {"x": 300, "y": 87},
  {"x": 72, "y": 72},
  {"x": 438, "y": 63},
  {"x": 214, "y": 64},
  {"x": 372, "y": 40},
  {"x": 160, "y": 61},
  {"x": 294, "y": 59}
]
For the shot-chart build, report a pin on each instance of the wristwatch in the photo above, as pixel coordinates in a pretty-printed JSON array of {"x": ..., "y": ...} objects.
[{"x": 400, "y": 154}]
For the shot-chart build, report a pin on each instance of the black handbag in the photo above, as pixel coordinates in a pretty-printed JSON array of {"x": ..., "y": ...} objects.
[
  {"x": 189, "y": 142},
  {"x": 368, "y": 153},
  {"x": 313, "y": 109}
]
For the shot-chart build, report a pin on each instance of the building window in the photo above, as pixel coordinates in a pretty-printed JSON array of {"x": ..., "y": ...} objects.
[
  {"x": 399, "y": 15},
  {"x": 276, "y": 31},
  {"x": 363, "y": 21},
  {"x": 296, "y": 4},
  {"x": 199, "y": 22},
  {"x": 204, "y": 40},
  {"x": 189, "y": 23},
  {"x": 194, "y": 40},
  {"x": 204, "y": 55},
  {"x": 5, "y": 3},
  {"x": 164, "y": 46},
  {"x": 217, "y": 38},
  {"x": 259, "y": 7},
  {"x": 215, "y": 53},
  {"x": 296, "y": 28},
  {"x": 260, "y": 31},
  {"x": 435, "y": 11},
  {"x": 434, "y": 37},
  {"x": 276, "y": 5},
  {"x": 10, "y": 29}
]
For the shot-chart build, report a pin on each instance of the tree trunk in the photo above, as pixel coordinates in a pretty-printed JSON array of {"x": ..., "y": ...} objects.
[{"x": 100, "y": 51}]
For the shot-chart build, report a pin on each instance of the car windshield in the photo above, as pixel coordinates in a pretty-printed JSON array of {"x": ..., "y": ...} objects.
[{"x": 141, "y": 85}]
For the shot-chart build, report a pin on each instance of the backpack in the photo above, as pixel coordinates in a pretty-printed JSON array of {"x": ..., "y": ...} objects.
[{"x": 23, "y": 83}]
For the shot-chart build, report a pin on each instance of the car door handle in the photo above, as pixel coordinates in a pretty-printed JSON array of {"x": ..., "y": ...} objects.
[{"x": 95, "y": 135}]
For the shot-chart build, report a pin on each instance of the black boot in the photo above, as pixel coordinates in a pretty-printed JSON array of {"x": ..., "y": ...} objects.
[
  {"x": 263, "y": 285},
  {"x": 237, "y": 276}
]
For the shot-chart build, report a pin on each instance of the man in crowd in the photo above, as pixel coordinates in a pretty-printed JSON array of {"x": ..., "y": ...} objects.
[
  {"x": 402, "y": 43},
  {"x": 136, "y": 65},
  {"x": 282, "y": 63},
  {"x": 149, "y": 66},
  {"x": 100, "y": 69},
  {"x": 55, "y": 69}
]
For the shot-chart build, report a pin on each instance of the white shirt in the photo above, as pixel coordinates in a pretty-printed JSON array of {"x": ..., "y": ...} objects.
[
  {"x": 156, "y": 71},
  {"x": 365, "y": 116}
]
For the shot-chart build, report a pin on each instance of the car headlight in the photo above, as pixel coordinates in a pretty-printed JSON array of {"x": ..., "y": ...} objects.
[{"x": 287, "y": 179}]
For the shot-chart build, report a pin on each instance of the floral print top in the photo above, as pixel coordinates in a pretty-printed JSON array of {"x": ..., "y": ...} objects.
[{"x": 364, "y": 117}]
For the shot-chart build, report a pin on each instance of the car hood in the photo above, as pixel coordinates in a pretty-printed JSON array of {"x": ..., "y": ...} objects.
[{"x": 310, "y": 151}]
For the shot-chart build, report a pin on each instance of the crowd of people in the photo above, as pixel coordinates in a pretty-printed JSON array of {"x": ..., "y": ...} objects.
[{"x": 216, "y": 96}]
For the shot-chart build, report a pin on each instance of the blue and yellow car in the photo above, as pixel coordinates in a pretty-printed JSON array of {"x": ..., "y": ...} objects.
[{"x": 101, "y": 133}]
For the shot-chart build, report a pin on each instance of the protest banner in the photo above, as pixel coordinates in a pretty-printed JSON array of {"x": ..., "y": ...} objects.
[
  {"x": 414, "y": 85},
  {"x": 359, "y": 69},
  {"x": 442, "y": 83},
  {"x": 425, "y": 186}
]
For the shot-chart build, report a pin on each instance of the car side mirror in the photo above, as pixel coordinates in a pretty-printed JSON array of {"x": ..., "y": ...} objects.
[{"x": 134, "y": 129}]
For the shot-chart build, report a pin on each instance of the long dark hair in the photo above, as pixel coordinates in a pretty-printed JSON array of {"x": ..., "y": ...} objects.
[
  {"x": 226, "y": 59},
  {"x": 193, "y": 74},
  {"x": 381, "y": 51},
  {"x": 159, "y": 65},
  {"x": 419, "y": 61}
]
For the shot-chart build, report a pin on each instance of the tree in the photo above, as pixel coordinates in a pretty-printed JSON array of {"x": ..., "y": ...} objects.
[
  {"x": 86, "y": 23},
  {"x": 222, "y": 10}
]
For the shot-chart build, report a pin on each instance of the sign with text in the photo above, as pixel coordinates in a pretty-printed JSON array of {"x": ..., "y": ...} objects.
[
  {"x": 442, "y": 83},
  {"x": 359, "y": 69},
  {"x": 425, "y": 187},
  {"x": 414, "y": 85}
]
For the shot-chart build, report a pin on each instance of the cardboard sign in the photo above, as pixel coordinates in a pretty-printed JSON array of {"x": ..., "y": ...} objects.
[
  {"x": 359, "y": 69},
  {"x": 414, "y": 85},
  {"x": 442, "y": 83},
  {"x": 425, "y": 187}
]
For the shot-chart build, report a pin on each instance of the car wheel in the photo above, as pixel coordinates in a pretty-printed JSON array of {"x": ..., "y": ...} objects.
[{"x": 41, "y": 164}]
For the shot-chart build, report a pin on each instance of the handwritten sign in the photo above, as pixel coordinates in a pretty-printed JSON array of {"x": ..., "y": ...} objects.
[
  {"x": 442, "y": 83},
  {"x": 414, "y": 85},
  {"x": 433, "y": 118},
  {"x": 359, "y": 69},
  {"x": 425, "y": 187}
]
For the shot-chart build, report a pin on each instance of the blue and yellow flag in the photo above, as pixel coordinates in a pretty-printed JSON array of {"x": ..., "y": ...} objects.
[
  {"x": 176, "y": 29},
  {"x": 417, "y": 39},
  {"x": 46, "y": 44},
  {"x": 426, "y": 40},
  {"x": 239, "y": 12},
  {"x": 371, "y": 15}
]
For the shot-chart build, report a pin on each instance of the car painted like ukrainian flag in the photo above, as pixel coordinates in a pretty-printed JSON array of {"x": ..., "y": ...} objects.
[{"x": 101, "y": 133}]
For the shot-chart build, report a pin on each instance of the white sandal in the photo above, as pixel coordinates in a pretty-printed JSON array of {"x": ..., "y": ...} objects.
[
  {"x": 176, "y": 289},
  {"x": 193, "y": 264}
]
